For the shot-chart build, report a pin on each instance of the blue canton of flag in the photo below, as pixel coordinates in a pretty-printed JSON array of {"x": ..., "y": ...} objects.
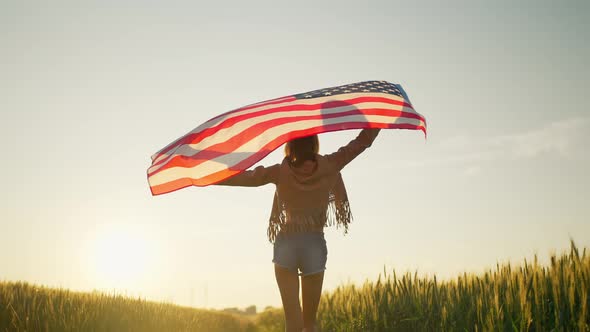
[{"x": 361, "y": 87}]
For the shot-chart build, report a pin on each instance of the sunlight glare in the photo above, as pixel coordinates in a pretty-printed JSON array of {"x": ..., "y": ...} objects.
[{"x": 121, "y": 257}]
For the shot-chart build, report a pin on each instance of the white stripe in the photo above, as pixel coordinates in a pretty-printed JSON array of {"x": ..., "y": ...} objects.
[
  {"x": 211, "y": 123},
  {"x": 227, "y": 133},
  {"x": 253, "y": 146}
]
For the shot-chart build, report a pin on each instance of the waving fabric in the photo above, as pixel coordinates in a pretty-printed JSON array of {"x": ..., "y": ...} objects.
[{"x": 236, "y": 140}]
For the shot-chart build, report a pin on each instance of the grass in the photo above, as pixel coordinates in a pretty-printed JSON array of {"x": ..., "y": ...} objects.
[
  {"x": 527, "y": 297},
  {"x": 25, "y": 307}
]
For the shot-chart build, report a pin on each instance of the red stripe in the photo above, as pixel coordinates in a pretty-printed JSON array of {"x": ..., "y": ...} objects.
[
  {"x": 194, "y": 138},
  {"x": 245, "y": 136},
  {"x": 268, "y": 148}
]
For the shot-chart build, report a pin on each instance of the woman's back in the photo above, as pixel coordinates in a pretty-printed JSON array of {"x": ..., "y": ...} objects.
[{"x": 311, "y": 194}]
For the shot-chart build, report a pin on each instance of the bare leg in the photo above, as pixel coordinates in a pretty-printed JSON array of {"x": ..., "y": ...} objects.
[
  {"x": 288, "y": 282},
  {"x": 311, "y": 288}
]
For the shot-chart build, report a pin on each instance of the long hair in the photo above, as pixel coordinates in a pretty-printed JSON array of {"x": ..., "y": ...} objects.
[{"x": 301, "y": 149}]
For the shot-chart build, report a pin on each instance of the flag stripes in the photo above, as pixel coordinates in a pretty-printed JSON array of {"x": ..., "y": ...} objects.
[
  {"x": 327, "y": 105},
  {"x": 232, "y": 142}
]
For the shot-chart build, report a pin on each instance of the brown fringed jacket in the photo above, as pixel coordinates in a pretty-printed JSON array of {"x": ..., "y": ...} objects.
[{"x": 309, "y": 197}]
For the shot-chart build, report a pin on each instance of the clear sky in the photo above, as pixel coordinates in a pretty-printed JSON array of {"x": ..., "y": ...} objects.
[{"x": 90, "y": 90}]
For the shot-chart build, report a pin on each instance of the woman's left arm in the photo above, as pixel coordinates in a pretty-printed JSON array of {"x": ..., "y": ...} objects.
[{"x": 257, "y": 177}]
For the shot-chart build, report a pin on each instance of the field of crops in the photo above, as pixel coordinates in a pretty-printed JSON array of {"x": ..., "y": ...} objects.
[
  {"x": 528, "y": 297},
  {"x": 25, "y": 307}
]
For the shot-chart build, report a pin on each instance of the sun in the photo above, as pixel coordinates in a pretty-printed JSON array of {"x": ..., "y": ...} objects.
[{"x": 121, "y": 257}]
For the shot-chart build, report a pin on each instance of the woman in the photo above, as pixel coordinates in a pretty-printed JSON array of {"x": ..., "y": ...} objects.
[{"x": 310, "y": 195}]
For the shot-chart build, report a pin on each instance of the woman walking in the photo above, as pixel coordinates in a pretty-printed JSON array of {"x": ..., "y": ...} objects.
[{"x": 309, "y": 196}]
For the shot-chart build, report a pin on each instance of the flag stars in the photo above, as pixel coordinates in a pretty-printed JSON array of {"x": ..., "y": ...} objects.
[{"x": 365, "y": 87}]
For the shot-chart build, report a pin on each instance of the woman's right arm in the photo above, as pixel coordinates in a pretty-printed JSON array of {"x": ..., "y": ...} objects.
[
  {"x": 254, "y": 178},
  {"x": 347, "y": 153}
]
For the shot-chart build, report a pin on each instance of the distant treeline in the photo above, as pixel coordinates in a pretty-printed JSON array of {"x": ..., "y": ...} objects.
[{"x": 251, "y": 310}]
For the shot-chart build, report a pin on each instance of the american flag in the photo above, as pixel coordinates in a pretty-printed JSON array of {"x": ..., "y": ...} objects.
[{"x": 232, "y": 142}]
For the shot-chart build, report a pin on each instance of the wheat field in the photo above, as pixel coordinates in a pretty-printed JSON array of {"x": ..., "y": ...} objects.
[
  {"x": 25, "y": 307},
  {"x": 527, "y": 297}
]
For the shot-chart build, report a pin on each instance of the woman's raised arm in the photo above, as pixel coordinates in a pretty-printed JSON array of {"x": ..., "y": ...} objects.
[{"x": 347, "y": 153}]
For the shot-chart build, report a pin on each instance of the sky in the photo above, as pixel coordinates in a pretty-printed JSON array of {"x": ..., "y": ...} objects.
[{"x": 90, "y": 90}]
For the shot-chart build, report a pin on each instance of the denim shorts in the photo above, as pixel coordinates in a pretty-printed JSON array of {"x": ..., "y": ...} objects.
[{"x": 303, "y": 252}]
